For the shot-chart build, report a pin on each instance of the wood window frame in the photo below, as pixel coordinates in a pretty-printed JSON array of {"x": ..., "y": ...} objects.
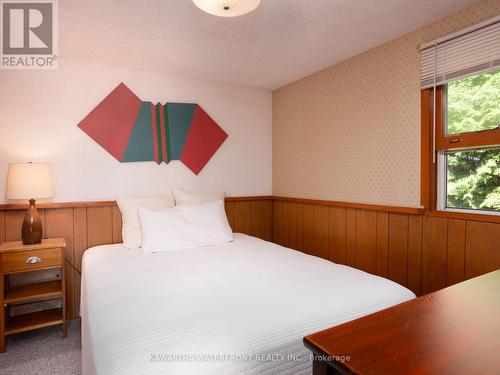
[{"x": 432, "y": 143}]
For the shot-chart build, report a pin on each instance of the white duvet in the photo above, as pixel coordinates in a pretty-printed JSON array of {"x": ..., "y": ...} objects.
[{"x": 243, "y": 307}]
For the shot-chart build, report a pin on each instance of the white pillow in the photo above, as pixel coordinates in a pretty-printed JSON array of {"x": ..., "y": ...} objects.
[
  {"x": 186, "y": 197},
  {"x": 131, "y": 228},
  {"x": 184, "y": 227}
]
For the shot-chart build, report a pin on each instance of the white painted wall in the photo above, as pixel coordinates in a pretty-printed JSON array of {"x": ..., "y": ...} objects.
[{"x": 40, "y": 110}]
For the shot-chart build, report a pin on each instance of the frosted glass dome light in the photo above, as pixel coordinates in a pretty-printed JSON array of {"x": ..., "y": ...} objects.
[{"x": 227, "y": 8}]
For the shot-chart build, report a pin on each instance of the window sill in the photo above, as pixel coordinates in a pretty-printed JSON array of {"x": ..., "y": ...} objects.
[{"x": 464, "y": 216}]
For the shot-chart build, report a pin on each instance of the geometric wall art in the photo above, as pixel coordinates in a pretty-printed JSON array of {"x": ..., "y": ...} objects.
[{"x": 132, "y": 130}]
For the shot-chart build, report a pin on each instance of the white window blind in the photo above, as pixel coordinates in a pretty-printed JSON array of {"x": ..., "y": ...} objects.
[{"x": 462, "y": 54}]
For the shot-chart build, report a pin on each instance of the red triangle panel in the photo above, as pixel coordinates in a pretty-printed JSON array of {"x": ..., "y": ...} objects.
[{"x": 203, "y": 140}]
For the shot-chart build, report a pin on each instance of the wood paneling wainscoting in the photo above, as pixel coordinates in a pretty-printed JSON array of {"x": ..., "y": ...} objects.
[
  {"x": 87, "y": 224},
  {"x": 422, "y": 251}
]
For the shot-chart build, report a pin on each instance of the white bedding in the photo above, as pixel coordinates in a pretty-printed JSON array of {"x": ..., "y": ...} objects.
[{"x": 216, "y": 309}]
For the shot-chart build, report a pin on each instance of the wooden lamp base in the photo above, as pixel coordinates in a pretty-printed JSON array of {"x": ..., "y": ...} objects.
[{"x": 32, "y": 226}]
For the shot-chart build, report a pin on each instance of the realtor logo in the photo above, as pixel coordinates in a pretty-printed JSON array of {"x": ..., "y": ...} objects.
[{"x": 29, "y": 34}]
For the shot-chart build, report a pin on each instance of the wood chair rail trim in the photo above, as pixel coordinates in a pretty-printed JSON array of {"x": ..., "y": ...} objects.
[
  {"x": 45, "y": 205},
  {"x": 401, "y": 209},
  {"x": 366, "y": 206}
]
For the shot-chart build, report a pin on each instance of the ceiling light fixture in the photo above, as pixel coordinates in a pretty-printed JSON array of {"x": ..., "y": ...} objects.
[{"x": 227, "y": 8}]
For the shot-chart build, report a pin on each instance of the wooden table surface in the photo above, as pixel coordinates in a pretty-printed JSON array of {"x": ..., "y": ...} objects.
[
  {"x": 452, "y": 331},
  {"x": 47, "y": 243}
]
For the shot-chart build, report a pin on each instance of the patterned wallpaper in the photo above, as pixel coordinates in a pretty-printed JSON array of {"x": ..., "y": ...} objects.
[{"x": 352, "y": 131}]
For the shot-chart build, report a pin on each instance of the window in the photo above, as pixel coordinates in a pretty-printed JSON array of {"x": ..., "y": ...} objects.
[
  {"x": 467, "y": 145},
  {"x": 460, "y": 81},
  {"x": 469, "y": 179}
]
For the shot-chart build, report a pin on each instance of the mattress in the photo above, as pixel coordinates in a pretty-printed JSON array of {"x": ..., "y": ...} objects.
[{"x": 238, "y": 308}]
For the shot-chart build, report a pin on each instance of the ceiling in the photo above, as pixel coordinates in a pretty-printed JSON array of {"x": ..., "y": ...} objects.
[{"x": 280, "y": 42}]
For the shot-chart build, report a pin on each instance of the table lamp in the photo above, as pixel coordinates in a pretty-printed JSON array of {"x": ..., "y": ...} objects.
[{"x": 30, "y": 181}]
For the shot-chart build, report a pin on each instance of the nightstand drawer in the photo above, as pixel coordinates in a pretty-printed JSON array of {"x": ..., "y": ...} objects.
[{"x": 31, "y": 260}]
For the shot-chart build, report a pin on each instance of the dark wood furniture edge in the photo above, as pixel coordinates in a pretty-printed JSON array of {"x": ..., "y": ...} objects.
[
  {"x": 338, "y": 367},
  {"x": 322, "y": 365},
  {"x": 326, "y": 367}
]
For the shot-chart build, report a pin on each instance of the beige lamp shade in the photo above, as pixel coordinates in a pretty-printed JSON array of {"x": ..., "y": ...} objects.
[{"x": 29, "y": 181}]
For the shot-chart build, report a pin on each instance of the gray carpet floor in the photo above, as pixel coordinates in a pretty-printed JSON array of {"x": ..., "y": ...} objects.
[{"x": 44, "y": 351}]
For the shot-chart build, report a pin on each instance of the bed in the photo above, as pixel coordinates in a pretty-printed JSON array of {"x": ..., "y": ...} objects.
[{"x": 242, "y": 307}]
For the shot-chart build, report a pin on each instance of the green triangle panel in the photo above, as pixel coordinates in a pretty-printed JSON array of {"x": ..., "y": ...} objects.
[
  {"x": 140, "y": 143},
  {"x": 165, "y": 139},
  {"x": 158, "y": 132},
  {"x": 179, "y": 117}
]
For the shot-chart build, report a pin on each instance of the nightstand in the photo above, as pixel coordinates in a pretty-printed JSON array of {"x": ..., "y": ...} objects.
[{"x": 18, "y": 258}]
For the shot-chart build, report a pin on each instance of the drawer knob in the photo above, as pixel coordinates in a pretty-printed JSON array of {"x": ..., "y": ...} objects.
[{"x": 33, "y": 260}]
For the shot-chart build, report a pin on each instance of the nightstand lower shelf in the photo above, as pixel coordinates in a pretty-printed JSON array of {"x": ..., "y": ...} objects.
[
  {"x": 35, "y": 320},
  {"x": 34, "y": 292}
]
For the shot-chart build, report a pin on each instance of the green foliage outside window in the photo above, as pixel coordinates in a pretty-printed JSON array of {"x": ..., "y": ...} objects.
[
  {"x": 474, "y": 179},
  {"x": 473, "y": 104}
]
